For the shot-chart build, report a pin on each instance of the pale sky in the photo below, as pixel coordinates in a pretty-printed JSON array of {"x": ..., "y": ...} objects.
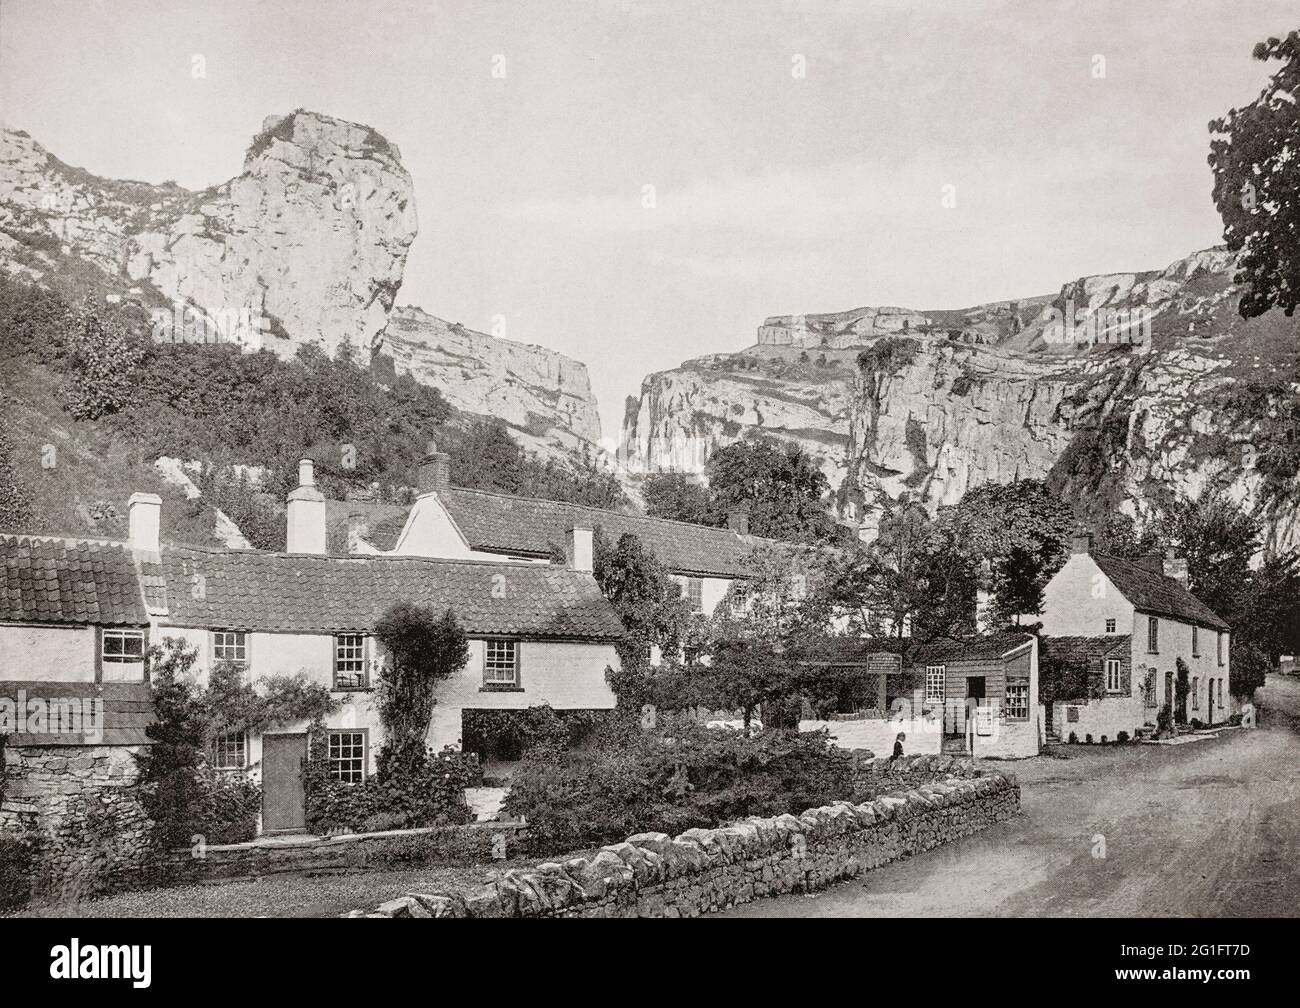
[{"x": 774, "y": 194}]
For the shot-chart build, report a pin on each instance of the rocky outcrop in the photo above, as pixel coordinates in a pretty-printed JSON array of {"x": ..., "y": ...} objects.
[
  {"x": 307, "y": 244},
  {"x": 543, "y": 396},
  {"x": 1125, "y": 391}
]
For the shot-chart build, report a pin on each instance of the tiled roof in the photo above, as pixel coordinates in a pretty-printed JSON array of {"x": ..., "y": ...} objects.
[
  {"x": 1156, "y": 594},
  {"x": 50, "y": 580},
  {"x": 1086, "y": 651},
  {"x": 383, "y": 522},
  {"x": 526, "y": 526},
  {"x": 982, "y": 647},
  {"x": 244, "y": 589},
  {"x": 125, "y": 710},
  {"x": 848, "y": 650}
]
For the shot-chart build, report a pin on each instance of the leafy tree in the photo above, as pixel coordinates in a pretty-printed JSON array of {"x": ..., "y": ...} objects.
[
  {"x": 681, "y": 497},
  {"x": 1119, "y": 537},
  {"x": 780, "y": 484},
  {"x": 1257, "y": 185},
  {"x": 102, "y": 362},
  {"x": 1218, "y": 541},
  {"x": 646, "y": 598},
  {"x": 14, "y": 508},
  {"x": 422, "y": 648}
]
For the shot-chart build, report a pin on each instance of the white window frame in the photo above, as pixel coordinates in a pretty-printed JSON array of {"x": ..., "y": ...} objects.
[
  {"x": 1219, "y": 645},
  {"x": 239, "y": 645},
  {"x": 1110, "y": 625},
  {"x": 693, "y": 589},
  {"x": 1196, "y": 692},
  {"x": 1153, "y": 635},
  {"x": 347, "y": 757},
  {"x": 1196, "y": 641},
  {"x": 936, "y": 675},
  {"x": 235, "y": 743},
  {"x": 122, "y": 635},
  {"x": 1019, "y": 709},
  {"x": 350, "y": 657},
  {"x": 1114, "y": 675},
  {"x": 500, "y": 663}
]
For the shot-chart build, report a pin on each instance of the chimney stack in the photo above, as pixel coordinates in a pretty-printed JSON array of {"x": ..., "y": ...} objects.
[
  {"x": 144, "y": 516},
  {"x": 306, "y": 513},
  {"x": 1082, "y": 543},
  {"x": 1175, "y": 567},
  {"x": 435, "y": 470},
  {"x": 578, "y": 550},
  {"x": 738, "y": 520}
]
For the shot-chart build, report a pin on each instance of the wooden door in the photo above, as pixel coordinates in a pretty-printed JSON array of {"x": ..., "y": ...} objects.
[{"x": 283, "y": 807}]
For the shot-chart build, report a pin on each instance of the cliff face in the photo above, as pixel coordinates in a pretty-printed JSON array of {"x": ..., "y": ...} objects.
[
  {"x": 311, "y": 237},
  {"x": 1158, "y": 391},
  {"x": 544, "y": 397}
]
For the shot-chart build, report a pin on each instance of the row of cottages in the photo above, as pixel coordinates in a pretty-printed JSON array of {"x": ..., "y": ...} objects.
[
  {"x": 1124, "y": 638},
  {"x": 79, "y": 616}
]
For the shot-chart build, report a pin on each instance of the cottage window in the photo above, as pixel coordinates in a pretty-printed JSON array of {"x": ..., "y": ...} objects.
[
  {"x": 1196, "y": 692},
  {"x": 935, "y": 676},
  {"x": 350, "y": 661},
  {"x": 230, "y": 645},
  {"x": 1153, "y": 635},
  {"x": 500, "y": 663},
  {"x": 347, "y": 756},
  {"x": 1114, "y": 680},
  {"x": 232, "y": 751},
  {"x": 1017, "y": 701},
  {"x": 1220, "y": 647},
  {"x": 123, "y": 646},
  {"x": 695, "y": 594},
  {"x": 1196, "y": 642},
  {"x": 1110, "y": 626}
]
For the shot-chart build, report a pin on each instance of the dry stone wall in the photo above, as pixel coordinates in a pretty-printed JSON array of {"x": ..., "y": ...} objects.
[{"x": 705, "y": 870}]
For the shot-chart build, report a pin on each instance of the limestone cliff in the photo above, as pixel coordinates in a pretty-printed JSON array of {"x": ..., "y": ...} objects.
[
  {"x": 1126, "y": 390},
  {"x": 311, "y": 237},
  {"x": 543, "y": 396}
]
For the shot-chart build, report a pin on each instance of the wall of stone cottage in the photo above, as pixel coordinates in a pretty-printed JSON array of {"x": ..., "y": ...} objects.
[
  {"x": 705, "y": 870},
  {"x": 80, "y": 805}
]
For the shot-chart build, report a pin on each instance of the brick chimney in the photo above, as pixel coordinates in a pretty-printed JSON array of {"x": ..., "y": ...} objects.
[
  {"x": 578, "y": 549},
  {"x": 1175, "y": 567},
  {"x": 144, "y": 517},
  {"x": 738, "y": 520},
  {"x": 1082, "y": 543},
  {"x": 435, "y": 470},
  {"x": 306, "y": 513}
]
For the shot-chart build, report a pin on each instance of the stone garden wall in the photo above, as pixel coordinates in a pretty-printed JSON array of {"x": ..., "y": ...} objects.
[
  {"x": 704, "y": 870},
  {"x": 873, "y": 775},
  {"x": 79, "y": 804}
]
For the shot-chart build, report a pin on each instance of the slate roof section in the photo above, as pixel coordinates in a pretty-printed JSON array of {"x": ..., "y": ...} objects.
[
  {"x": 72, "y": 581},
  {"x": 983, "y": 647},
  {"x": 294, "y": 592},
  {"x": 528, "y": 526},
  {"x": 124, "y": 712},
  {"x": 1156, "y": 594},
  {"x": 1090, "y": 652}
]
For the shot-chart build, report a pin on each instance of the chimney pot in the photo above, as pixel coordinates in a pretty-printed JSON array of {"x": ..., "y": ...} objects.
[
  {"x": 144, "y": 516},
  {"x": 578, "y": 549},
  {"x": 1175, "y": 567},
  {"x": 1082, "y": 543},
  {"x": 738, "y": 520},
  {"x": 306, "y": 472}
]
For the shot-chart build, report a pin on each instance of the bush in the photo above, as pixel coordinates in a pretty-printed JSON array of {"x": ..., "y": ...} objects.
[
  {"x": 702, "y": 777},
  {"x": 1122, "y": 737},
  {"x": 17, "y": 865},
  {"x": 406, "y": 791},
  {"x": 228, "y": 807},
  {"x": 1074, "y": 738}
]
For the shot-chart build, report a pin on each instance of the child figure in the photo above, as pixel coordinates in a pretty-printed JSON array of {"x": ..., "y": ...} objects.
[{"x": 898, "y": 747}]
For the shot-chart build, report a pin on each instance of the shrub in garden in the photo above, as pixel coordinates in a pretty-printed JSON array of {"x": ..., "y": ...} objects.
[{"x": 700, "y": 777}]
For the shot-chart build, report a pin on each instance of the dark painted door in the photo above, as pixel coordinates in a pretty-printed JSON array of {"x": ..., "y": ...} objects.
[
  {"x": 282, "y": 798},
  {"x": 1180, "y": 713}
]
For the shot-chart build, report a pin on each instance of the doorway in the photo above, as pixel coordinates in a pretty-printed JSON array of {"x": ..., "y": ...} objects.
[{"x": 283, "y": 804}]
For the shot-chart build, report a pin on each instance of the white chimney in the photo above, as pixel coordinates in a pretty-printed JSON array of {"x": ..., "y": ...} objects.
[
  {"x": 306, "y": 513},
  {"x": 578, "y": 550},
  {"x": 144, "y": 516}
]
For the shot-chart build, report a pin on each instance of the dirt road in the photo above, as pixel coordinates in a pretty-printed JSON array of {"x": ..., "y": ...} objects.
[{"x": 1206, "y": 829}]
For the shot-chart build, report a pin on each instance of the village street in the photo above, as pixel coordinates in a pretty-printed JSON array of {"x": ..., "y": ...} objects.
[{"x": 1205, "y": 829}]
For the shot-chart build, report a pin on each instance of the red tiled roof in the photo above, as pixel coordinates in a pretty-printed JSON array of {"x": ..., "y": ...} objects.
[
  {"x": 50, "y": 580},
  {"x": 527, "y": 526},
  {"x": 244, "y": 589},
  {"x": 1156, "y": 594},
  {"x": 124, "y": 712}
]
